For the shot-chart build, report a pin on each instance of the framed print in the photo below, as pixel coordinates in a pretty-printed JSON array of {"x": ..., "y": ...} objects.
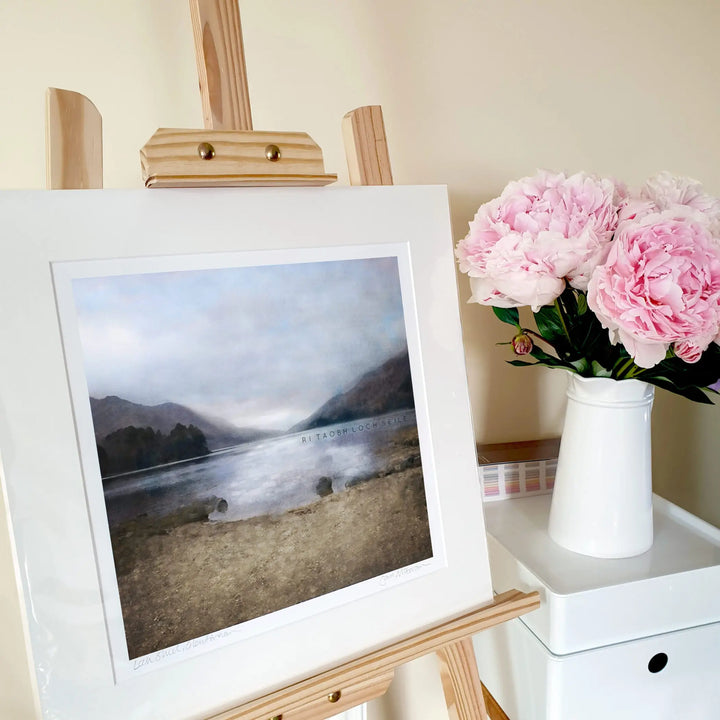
[{"x": 236, "y": 439}]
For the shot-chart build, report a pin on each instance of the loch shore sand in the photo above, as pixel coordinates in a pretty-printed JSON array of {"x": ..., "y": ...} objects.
[{"x": 187, "y": 577}]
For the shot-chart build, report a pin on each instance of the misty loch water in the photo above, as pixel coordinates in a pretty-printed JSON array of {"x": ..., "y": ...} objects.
[{"x": 259, "y": 478}]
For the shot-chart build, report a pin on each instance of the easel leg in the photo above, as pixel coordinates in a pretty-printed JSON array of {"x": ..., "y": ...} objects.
[
  {"x": 494, "y": 711},
  {"x": 461, "y": 682}
]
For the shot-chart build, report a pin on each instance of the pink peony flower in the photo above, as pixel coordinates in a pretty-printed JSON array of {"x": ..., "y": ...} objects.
[
  {"x": 660, "y": 285},
  {"x": 540, "y": 232},
  {"x": 665, "y": 191}
]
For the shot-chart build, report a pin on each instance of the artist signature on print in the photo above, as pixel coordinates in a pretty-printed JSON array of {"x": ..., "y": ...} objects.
[
  {"x": 402, "y": 573},
  {"x": 180, "y": 649}
]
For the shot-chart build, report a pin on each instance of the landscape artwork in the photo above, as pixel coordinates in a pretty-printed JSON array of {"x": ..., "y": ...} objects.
[{"x": 256, "y": 439}]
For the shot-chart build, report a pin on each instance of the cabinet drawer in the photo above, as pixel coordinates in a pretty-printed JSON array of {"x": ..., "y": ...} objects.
[{"x": 663, "y": 677}]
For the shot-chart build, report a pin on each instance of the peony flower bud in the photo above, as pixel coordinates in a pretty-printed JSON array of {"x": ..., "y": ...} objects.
[
  {"x": 688, "y": 351},
  {"x": 522, "y": 344}
]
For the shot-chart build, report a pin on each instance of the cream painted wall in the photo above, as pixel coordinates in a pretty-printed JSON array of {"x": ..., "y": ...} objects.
[{"x": 474, "y": 92}]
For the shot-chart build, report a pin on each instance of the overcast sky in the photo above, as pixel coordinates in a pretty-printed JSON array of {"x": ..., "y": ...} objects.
[{"x": 257, "y": 346}]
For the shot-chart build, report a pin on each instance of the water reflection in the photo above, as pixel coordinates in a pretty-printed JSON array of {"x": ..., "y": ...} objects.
[{"x": 267, "y": 476}]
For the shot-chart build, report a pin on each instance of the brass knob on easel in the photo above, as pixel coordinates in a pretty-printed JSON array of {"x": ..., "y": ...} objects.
[
  {"x": 334, "y": 696},
  {"x": 206, "y": 151},
  {"x": 272, "y": 153}
]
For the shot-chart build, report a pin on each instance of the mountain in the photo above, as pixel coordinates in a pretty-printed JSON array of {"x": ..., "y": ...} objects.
[
  {"x": 382, "y": 390},
  {"x": 113, "y": 413}
]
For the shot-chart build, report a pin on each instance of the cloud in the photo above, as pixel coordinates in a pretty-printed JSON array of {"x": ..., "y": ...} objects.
[{"x": 270, "y": 342}]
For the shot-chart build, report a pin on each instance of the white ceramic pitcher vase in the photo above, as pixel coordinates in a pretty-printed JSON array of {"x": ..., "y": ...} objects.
[{"x": 602, "y": 499}]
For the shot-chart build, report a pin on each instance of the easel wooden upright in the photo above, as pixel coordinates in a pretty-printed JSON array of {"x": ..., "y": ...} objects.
[{"x": 229, "y": 152}]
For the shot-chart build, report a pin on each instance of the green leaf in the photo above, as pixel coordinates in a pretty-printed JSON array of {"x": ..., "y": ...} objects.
[
  {"x": 521, "y": 363},
  {"x": 539, "y": 354},
  {"x": 550, "y": 326},
  {"x": 680, "y": 376},
  {"x": 543, "y": 358},
  {"x": 694, "y": 394},
  {"x": 582, "y": 306},
  {"x": 511, "y": 316},
  {"x": 691, "y": 393},
  {"x": 598, "y": 370},
  {"x": 569, "y": 302}
]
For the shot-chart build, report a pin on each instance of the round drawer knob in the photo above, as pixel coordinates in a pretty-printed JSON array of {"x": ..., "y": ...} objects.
[{"x": 658, "y": 662}]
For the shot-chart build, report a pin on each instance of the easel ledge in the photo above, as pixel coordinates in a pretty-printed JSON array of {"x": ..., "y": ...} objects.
[
  {"x": 368, "y": 677},
  {"x": 240, "y": 156}
]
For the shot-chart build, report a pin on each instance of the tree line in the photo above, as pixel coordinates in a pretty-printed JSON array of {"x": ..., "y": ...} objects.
[{"x": 135, "y": 448}]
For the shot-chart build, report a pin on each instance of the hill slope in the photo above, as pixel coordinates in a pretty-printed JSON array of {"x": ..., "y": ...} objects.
[
  {"x": 382, "y": 390},
  {"x": 113, "y": 413}
]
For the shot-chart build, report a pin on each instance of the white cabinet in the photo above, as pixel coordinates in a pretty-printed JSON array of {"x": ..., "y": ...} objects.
[{"x": 613, "y": 639}]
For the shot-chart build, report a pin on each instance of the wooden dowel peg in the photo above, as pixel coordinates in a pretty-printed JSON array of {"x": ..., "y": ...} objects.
[
  {"x": 73, "y": 132},
  {"x": 366, "y": 146}
]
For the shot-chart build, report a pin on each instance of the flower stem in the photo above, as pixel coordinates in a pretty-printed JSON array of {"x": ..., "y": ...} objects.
[
  {"x": 527, "y": 331},
  {"x": 634, "y": 372},
  {"x": 561, "y": 314},
  {"x": 626, "y": 370}
]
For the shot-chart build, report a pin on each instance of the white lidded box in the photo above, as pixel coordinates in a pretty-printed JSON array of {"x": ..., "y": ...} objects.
[{"x": 631, "y": 638}]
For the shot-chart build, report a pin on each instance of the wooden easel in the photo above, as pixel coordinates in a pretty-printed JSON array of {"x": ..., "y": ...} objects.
[{"x": 226, "y": 153}]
